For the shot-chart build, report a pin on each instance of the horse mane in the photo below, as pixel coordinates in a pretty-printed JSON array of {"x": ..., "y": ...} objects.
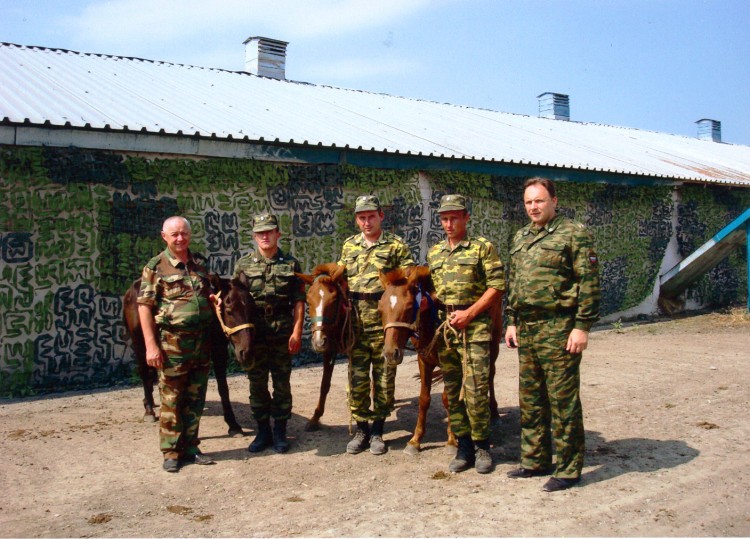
[
  {"x": 395, "y": 277},
  {"x": 328, "y": 271}
]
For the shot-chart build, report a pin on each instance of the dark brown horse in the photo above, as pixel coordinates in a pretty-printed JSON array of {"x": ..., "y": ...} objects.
[
  {"x": 329, "y": 311},
  {"x": 408, "y": 311},
  {"x": 218, "y": 351}
]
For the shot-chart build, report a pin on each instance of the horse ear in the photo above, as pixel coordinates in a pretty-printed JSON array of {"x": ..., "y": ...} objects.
[
  {"x": 383, "y": 276},
  {"x": 338, "y": 273},
  {"x": 307, "y": 279}
]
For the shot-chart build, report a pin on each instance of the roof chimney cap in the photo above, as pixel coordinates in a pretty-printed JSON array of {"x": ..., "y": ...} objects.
[
  {"x": 553, "y": 105},
  {"x": 265, "y": 57},
  {"x": 709, "y": 129}
]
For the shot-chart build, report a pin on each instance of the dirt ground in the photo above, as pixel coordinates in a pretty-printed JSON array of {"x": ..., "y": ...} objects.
[{"x": 666, "y": 411}]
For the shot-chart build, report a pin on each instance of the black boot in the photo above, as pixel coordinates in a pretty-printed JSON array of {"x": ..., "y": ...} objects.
[
  {"x": 377, "y": 445},
  {"x": 264, "y": 438},
  {"x": 280, "y": 443},
  {"x": 464, "y": 456},
  {"x": 361, "y": 439},
  {"x": 483, "y": 456}
]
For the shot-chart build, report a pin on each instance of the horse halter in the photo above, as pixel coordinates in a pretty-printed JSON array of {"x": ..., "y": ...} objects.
[
  {"x": 415, "y": 316},
  {"x": 227, "y": 330}
]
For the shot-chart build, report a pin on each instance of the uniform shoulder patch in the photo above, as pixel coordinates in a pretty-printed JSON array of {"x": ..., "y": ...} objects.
[{"x": 593, "y": 259}]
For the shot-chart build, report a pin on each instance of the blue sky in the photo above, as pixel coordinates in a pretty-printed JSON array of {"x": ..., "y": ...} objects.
[{"x": 657, "y": 65}]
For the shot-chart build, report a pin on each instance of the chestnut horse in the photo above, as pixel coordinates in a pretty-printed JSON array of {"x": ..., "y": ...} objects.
[
  {"x": 408, "y": 310},
  {"x": 218, "y": 351},
  {"x": 329, "y": 310}
]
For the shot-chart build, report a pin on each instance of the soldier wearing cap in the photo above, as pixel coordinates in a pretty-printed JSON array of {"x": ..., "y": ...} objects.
[
  {"x": 279, "y": 296},
  {"x": 468, "y": 278},
  {"x": 364, "y": 256},
  {"x": 175, "y": 312},
  {"x": 553, "y": 301}
]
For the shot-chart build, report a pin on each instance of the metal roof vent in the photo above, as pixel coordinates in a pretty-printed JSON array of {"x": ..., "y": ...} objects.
[
  {"x": 265, "y": 57},
  {"x": 555, "y": 106},
  {"x": 709, "y": 130}
]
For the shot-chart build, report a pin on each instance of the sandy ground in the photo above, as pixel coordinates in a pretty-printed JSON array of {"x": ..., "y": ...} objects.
[{"x": 667, "y": 428}]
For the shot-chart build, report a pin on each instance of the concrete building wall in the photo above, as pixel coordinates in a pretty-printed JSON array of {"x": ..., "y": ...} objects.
[{"x": 77, "y": 226}]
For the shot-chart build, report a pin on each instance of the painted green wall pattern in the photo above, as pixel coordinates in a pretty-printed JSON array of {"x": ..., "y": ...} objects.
[{"x": 76, "y": 228}]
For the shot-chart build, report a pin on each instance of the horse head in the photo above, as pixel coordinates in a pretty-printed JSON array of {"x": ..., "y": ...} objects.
[
  {"x": 328, "y": 304},
  {"x": 236, "y": 315},
  {"x": 404, "y": 297}
]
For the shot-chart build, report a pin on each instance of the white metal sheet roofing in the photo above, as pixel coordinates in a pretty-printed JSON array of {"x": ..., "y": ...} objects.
[{"x": 56, "y": 87}]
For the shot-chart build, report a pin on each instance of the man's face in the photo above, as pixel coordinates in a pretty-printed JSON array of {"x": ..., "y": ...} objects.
[
  {"x": 370, "y": 222},
  {"x": 454, "y": 224},
  {"x": 176, "y": 234},
  {"x": 540, "y": 207},
  {"x": 267, "y": 240}
]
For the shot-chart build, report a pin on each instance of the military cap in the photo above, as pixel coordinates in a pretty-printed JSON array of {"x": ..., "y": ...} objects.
[
  {"x": 265, "y": 221},
  {"x": 452, "y": 202},
  {"x": 366, "y": 203}
]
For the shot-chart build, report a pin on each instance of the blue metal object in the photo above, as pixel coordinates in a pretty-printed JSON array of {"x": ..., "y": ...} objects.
[{"x": 708, "y": 255}]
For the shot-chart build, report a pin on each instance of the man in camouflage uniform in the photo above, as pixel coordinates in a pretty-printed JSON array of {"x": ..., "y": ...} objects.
[
  {"x": 175, "y": 311},
  {"x": 364, "y": 256},
  {"x": 468, "y": 278},
  {"x": 552, "y": 303},
  {"x": 279, "y": 296}
]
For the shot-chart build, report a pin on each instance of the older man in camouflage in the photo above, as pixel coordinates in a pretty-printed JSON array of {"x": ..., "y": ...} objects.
[
  {"x": 174, "y": 308},
  {"x": 364, "y": 256},
  {"x": 552, "y": 304},
  {"x": 279, "y": 296},
  {"x": 468, "y": 278}
]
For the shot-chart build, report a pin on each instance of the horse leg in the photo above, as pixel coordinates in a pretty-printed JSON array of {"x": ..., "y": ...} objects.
[
  {"x": 425, "y": 376},
  {"x": 452, "y": 442},
  {"x": 325, "y": 385},
  {"x": 148, "y": 378},
  {"x": 220, "y": 357}
]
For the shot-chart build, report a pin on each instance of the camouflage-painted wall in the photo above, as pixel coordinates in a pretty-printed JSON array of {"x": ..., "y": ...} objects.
[{"x": 77, "y": 226}]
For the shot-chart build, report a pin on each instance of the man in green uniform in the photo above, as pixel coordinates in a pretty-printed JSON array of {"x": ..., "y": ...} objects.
[
  {"x": 175, "y": 311},
  {"x": 364, "y": 256},
  {"x": 468, "y": 278},
  {"x": 279, "y": 296},
  {"x": 552, "y": 303}
]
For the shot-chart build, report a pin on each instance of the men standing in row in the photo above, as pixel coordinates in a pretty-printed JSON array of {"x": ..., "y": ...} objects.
[
  {"x": 364, "y": 256},
  {"x": 279, "y": 296},
  {"x": 468, "y": 278},
  {"x": 175, "y": 313},
  {"x": 553, "y": 301}
]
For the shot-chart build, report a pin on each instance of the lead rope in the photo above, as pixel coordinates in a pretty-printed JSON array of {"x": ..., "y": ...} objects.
[{"x": 444, "y": 328}]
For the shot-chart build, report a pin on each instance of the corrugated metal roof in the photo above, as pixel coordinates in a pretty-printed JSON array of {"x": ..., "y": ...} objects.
[{"x": 64, "y": 88}]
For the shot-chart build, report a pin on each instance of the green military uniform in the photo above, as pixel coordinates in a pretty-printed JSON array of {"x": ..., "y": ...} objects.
[
  {"x": 363, "y": 264},
  {"x": 461, "y": 276},
  {"x": 178, "y": 295},
  {"x": 275, "y": 289},
  {"x": 554, "y": 288}
]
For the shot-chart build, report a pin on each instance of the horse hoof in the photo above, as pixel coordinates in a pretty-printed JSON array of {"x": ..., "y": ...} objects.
[
  {"x": 236, "y": 432},
  {"x": 149, "y": 418},
  {"x": 411, "y": 450},
  {"x": 312, "y": 426}
]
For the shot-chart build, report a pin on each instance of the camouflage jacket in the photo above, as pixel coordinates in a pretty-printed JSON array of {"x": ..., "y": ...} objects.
[
  {"x": 462, "y": 275},
  {"x": 554, "y": 268},
  {"x": 177, "y": 292},
  {"x": 273, "y": 285},
  {"x": 363, "y": 266}
]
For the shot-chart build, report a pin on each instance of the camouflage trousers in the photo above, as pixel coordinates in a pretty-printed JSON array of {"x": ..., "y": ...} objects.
[
  {"x": 182, "y": 389},
  {"x": 371, "y": 380},
  {"x": 270, "y": 357},
  {"x": 470, "y": 415},
  {"x": 549, "y": 399}
]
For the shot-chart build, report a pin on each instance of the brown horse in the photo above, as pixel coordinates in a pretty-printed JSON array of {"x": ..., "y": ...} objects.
[
  {"x": 329, "y": 310},
  {"x": 218, "y": 351},
  {"x": 408, "y": 310}
]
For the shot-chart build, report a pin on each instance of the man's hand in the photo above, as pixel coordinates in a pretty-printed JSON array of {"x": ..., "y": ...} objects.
[
  {"x": 578, "y": 340},
  {"x": 511, "y": 339}
]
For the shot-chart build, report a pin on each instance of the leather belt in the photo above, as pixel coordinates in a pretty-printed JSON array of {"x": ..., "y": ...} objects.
[{"x": 359, "y": 296}]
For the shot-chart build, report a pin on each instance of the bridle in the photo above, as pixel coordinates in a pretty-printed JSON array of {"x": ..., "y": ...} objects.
[
  {"x": 342, "y": 307},
  {"x": 412, "y": 327},
  {"x": 228, "y": 331}
]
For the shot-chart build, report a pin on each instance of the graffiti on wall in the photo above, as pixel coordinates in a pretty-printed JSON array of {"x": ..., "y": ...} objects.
[{"x": 76, "y": 228}]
